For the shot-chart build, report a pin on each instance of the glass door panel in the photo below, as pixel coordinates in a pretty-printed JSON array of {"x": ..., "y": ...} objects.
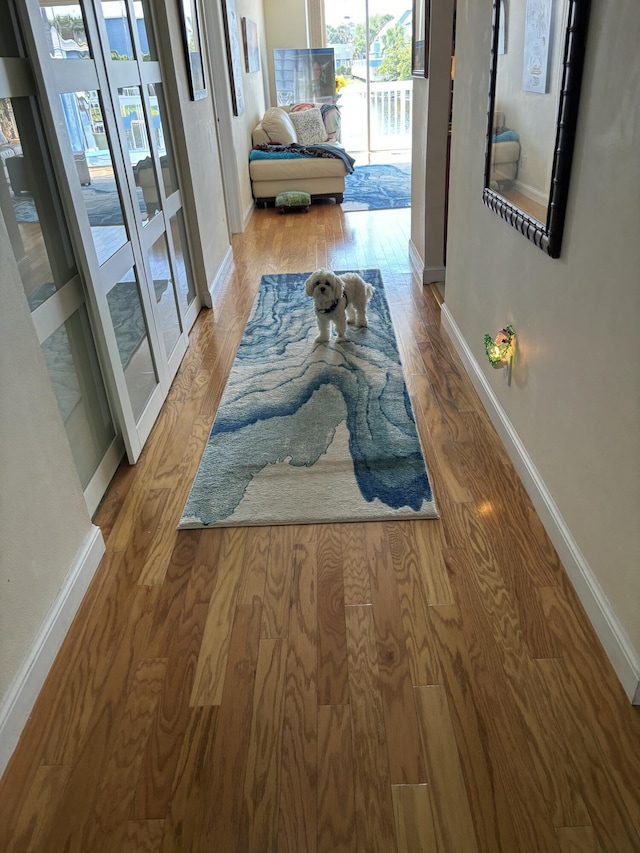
[
  {"x": 65, "y": 30},
  {"x": 372, "y": 46},
  {"x": 165, "y": 294},
  {"x": 184, "y": 276},
  {"x": 133, "y": 117},
  {"x": 30, "y": 206},
  {"x": 129, "y": 325},
  {"x": 89, "y": 142},
  {"x": 116, "y": 19},
  {"x": 162, "y": 140},
  {"x": 147, "y": 52},
  {"x": 76, "y": 380},
  {"x": 390, "y": 86}
]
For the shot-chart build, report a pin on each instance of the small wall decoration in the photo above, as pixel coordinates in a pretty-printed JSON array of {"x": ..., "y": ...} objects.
[
  {"x": 537, "y": 32},
  {"x": 502, "y": 29},
  {"x": 305, "y": 75},
  {"x": 188, "y": 14},
  {"x": 231, "y": 32},
  {"x": 251, "y": 46},
  {"x": 420, "y": 38}
]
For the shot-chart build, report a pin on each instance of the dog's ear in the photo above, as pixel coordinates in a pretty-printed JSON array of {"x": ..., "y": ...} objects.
[
  {"x": 335, "y": 282},
  {"x": 309, "y": 284}
]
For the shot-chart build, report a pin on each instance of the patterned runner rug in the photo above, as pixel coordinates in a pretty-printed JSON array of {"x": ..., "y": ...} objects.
[{"x": 309, "y": 432}]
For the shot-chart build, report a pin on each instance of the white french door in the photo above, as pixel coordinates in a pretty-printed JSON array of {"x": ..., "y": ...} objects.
[{"x": 97, "y": 70}]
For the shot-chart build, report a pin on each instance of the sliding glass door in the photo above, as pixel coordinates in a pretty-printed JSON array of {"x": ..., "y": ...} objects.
[{"x": 372, "y": 45}]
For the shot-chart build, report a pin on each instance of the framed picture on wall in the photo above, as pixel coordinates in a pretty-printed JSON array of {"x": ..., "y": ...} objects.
[
  {"x": 502, "y": 29},
  {"x": 232, "y": 39},
  {"x": 251, "y": 46},
  {"x": 420, "y": 38},
  {"x": 188, "y": 14},
  {"x": 537, "y": 31}
]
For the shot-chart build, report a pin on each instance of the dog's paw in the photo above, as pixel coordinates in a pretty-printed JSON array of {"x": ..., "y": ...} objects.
[
  {"x": 340, "y": 339},
  {"x": 322, "y": 339},
  {"x": 350, "y": 321},
  {"x": 362, "y": 324}
]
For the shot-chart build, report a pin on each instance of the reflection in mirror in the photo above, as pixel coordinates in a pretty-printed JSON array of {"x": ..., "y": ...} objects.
[
  {"x": 537, "y": 56},
  {"x": 526, "y": 104}
]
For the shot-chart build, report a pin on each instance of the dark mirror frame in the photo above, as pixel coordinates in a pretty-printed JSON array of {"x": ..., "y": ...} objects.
[{"x": 546, "y": 235}]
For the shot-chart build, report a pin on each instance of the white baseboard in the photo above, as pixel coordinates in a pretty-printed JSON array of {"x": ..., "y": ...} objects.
[
  {"x": 624, "y": 658},
  {"x": 434, "y": 275},
  {"x": 29, "y": 680},
  {"x": 428, "y": 275},
  {"x": 417, "y": 264},
  {"x": 207, "y": 298},
  {"x": 532, "y": 193},
  {"x": 248, "y": 213}
]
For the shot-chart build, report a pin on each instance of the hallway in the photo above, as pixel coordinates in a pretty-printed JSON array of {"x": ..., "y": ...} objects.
[{"x": 377, "y": 687}]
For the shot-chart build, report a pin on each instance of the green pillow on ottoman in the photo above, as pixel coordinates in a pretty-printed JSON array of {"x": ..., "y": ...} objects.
[{"x": 293, "y": 200}]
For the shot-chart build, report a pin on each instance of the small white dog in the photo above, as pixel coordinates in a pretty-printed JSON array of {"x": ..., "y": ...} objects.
[{"x": 338, "y": 299}]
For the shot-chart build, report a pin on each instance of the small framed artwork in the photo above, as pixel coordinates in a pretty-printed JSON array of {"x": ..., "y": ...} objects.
[
  {"x": 251, "y": 46},
  {"x": 232, "y": 39},
  {"x": 537, "y": 31},
  {"x": 420, "y": 38},
  {"x": 192, "y": 48},
  {"x": 502, "y": 30}
]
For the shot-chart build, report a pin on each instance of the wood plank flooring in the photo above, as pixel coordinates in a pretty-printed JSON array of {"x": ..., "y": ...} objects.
[{"x": 400, "y": 686}]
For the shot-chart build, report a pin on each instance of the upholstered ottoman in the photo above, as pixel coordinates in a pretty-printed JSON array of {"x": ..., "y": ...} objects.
[{"x": 293, "y": 201}]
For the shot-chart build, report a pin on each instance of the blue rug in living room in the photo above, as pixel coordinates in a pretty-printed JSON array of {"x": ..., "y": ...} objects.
[
  {"x": 378, "y": 187},
  {"x": 308, "y": 432}
]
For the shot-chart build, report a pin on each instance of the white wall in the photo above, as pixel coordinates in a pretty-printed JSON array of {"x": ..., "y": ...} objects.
[
  {"x": 254, "y": 97},
  {"x": 575, "y": 397},
  {"x": 286, "y": 27}
]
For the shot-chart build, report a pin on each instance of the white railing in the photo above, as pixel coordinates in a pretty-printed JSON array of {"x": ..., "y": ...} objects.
[{"x": 390, "y": 105}]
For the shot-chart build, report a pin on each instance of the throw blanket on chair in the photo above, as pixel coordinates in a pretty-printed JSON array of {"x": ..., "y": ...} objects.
[{"x": 280, "y": 152}]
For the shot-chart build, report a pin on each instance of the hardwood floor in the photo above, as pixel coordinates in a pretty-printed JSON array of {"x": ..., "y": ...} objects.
[{"x": 401, "y": 686}]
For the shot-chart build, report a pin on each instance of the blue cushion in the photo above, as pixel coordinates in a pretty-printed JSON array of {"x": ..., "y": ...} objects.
[{"x": 506, "y": 136}]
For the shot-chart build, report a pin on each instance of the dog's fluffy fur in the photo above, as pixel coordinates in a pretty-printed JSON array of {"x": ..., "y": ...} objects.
[{"x": 338, "y": 299}]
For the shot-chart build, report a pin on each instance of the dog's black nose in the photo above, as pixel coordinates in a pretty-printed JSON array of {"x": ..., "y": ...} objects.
[{"x": 322, "y": 288}]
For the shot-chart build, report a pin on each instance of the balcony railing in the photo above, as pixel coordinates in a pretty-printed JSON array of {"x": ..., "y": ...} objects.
[{"x": 390, "y": 106}]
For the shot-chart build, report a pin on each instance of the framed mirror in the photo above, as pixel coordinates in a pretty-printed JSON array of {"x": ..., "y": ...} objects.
[{"x": 537, "y": 58}]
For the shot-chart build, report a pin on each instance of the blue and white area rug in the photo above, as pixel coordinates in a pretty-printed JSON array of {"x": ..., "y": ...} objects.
[
  {"x": 378, "y": 187},
  {"x": 307, "y": 432}
]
